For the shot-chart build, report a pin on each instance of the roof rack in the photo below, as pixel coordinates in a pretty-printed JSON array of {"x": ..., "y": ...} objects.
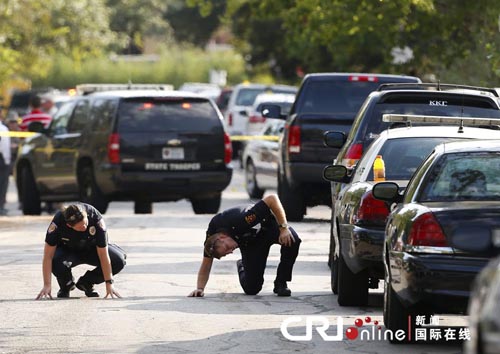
[
  {"x": 86, "y": 89},
  {"x": 437, "y": 86},
  {"x": 441, "y": 120}
]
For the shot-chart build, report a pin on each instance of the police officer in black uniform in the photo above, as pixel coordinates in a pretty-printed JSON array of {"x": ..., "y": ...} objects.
[
  {"x": 235, "y": 228},
  {"x": 77, "y": 235}
]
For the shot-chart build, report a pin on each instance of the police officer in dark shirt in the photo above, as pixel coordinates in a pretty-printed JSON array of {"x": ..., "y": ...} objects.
[
  {"x": 77, "y": 235},
  {"x": 236, "y": 228}
]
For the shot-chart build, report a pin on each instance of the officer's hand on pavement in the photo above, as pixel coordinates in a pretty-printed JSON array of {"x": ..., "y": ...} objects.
[
  {"x": 197, "y": 293},
  {"x": 45, "y": 293},
  {"x": 110, "y": 291},
  {"x": 286, "y": 238}
]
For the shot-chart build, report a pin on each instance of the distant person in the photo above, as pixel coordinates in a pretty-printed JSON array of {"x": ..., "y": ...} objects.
[
  {"x": 5, "y": 154},
  {"x": 234, "y": 228},
  {"x": 48, "y": 105},
  {"x": 77, "y": 235},
  {"x": 13, "y": 126},
  {"x": 36, "y": 114}
]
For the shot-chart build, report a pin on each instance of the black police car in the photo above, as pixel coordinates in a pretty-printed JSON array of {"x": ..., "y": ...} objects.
[{"x": 139, "y": 145}]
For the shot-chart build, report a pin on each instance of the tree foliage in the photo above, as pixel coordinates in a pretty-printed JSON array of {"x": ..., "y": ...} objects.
[
  {"x": 31, "y": 32},
  {"x": 359, "y": 35}
]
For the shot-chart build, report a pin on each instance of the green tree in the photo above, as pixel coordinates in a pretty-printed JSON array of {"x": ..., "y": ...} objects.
[
  {"x": 135, "y": 20},
  {"x": 192, "y": 24},
  {"x": 31, "y": 32}
]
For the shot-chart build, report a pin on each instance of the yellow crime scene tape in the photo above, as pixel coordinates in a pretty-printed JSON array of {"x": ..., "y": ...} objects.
[
  {"x": 16, "y": 134},
  {"x": 254, "y": 137}
]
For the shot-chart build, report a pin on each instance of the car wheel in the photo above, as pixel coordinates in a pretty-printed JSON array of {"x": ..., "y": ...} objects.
[
  {"x": 251, "y": 186},
  {"x": 90, "y": 192},
  {"x": 206, "y": 205},
  {"x": 142, "y": 207},
  {"x": 334, "y": 275},
  {"x": 292, "y": 200},
  {"x": 29, "y": 193},
  {"x": 395, "y": 314},
  {"x": 352, "y": 288}
]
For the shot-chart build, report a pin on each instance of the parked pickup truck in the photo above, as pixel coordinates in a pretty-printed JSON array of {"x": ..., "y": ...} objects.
[{"x": 325, "y": 101}]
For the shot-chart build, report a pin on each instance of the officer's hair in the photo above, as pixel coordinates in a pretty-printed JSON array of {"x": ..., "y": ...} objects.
[
  {"x": 73, "y": 214},
  {"x": 210, "y": 243}
]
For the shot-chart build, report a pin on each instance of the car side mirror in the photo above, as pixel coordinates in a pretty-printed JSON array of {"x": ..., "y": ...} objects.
[
  {"x": 272, "y": 111},
  {"x": 244, "y": 113},
  {"x": 336, "y": 173},
  {"x": 36, "y": 127},
  {"x": 334, "y": 139},
  {"x": 387, "y": 191}
]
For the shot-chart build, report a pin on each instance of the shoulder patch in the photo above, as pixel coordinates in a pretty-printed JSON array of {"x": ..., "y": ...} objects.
[
  {"x": 52, "y": 228},
  {"x": 250, "y": 218},
  {"x": 92, "y": 230},
  {"x": 102, "y": 224}
]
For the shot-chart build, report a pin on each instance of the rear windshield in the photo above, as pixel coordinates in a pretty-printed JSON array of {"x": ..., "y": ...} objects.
[
  {"x": 464, "y": 176},
  {"x": 375, "y": 124},
  {"x": 403, "y": 156},
  {"x": 246, "y": 96},
  {"x": 340, "y": 98},
  {"x": 285, "y": 106},
  {"x": 166, "y": 114}
]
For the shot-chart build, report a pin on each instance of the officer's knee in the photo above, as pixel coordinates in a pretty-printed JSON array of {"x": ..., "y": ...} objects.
[
  {"x": 252, "y": 289},
  {"x": 118, "y": 264}
]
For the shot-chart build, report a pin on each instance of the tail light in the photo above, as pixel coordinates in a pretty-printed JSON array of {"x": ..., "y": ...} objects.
[
  {"x": 361, "y": 78},
  {"x": 294, "y": 139},
  {"x": 114, "y": 148},
  {"x": 256, "y": 119},
  {"x": 371, "y": 211},
  {"x": 426, "y": 231},
  {"x": 352, "y": 156},
  {"x": 230, "y": 120},
  {"x": 228, "y": 149}
]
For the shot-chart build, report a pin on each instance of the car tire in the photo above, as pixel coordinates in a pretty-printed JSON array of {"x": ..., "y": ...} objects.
[
  {"x": 29, "y": 193},
  {"x": 291, "y": 199},
  {"x": 142, "y": 207},
  {"x": 251, "y": 185},
  {"x": 206, "y": 205},
  {"x": 395, "y": 314},
  {"x": 90, "y": 192},
  {"x": 352, "y": 288}
]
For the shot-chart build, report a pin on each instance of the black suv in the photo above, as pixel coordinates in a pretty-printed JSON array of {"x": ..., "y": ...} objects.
[
  {"x": 143, "y": 146},
  {"x": 427, "y": 99},
  {"x": 325, "y": 101}
]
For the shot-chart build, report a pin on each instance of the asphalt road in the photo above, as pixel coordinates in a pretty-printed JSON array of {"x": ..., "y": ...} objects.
[{"x": 155, "y": 316}]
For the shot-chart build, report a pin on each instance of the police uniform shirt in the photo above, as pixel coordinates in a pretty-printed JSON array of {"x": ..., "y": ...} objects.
[
  {"x": 59, "y": 234},
  {"x": 239, "y": 223}
]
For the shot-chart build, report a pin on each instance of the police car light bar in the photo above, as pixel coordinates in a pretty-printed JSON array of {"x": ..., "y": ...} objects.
[
  {"x": 85, "y": 89},
  {"x": 441, "y": 120}
]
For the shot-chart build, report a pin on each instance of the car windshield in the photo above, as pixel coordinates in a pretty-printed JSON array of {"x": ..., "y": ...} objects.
[
  {"x": 340, "y": 98},
  {"x": 166, "y": 114},
  {"x": 375, "y": 125},
  {"x": 403, "y": 156},
  {"x": 464, "y": 176}
]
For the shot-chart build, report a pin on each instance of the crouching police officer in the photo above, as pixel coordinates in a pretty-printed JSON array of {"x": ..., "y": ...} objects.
[
  {"x": 234, "y": 228},
  {"x": 77, "y": 235}
]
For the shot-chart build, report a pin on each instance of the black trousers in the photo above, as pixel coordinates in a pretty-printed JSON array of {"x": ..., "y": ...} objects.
[
  {"x": 254, "y": 259},
  {"x": 65, "y": 259}
]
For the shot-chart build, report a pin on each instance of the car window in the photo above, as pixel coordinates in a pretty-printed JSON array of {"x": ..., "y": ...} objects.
[
  {"x": 403, "y": 156},
  {"x": 285, "y": 106},
  {"x": 344, "y": 98},
  {"x": 246, "y": 96},
  {"x": 464, "y": 176},
  {"x": 60, "y": 121},
  {"x": 80, "y": 117},
  {"x": 165, "y": 114},
  {"x": 102, "y": 113},
  {"x": 375, "y": 125}
]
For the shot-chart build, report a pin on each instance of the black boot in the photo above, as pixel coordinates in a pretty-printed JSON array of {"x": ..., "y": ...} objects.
[
  {"x": 87, "y": 288},
  {"x": 281, "y": 289},
  {"x": 63, "y": 292}
]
